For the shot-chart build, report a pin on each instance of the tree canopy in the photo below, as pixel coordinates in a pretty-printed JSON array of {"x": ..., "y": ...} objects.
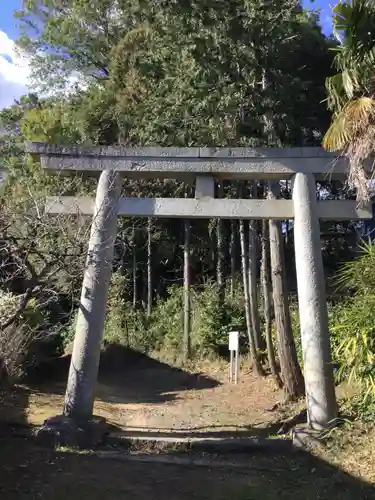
[{"x": 181, "y": 73}]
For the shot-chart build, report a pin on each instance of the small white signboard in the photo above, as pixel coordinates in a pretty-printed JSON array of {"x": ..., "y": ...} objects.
[
  {"x": 233, "y": 349},
  {"x": 233, "y": 341}
]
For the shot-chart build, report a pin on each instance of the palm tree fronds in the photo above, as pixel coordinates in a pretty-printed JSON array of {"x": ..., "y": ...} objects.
[
  {"x": 354, "y": 118},
  {"x": 336, "y": 92},
  {"x": 337, "y": 136},
  {"x": 360, "y": 112},
  {"x": 351, "y": 92}
]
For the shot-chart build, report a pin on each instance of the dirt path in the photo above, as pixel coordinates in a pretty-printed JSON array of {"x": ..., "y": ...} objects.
[{"x": 142, "y": 394}]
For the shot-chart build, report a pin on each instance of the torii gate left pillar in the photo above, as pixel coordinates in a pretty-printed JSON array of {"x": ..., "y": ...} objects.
[
  {"x": 83, "y": 372},
  {"x": 202, "y": 165}
]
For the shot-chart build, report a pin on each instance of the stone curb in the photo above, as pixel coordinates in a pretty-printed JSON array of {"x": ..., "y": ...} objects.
[
  {"x": 302, "y": 439},
  {"x": 217, "y": 445}
]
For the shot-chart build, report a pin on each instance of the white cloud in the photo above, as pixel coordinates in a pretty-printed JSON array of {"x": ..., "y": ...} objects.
[{"x": 14, "y": 72}]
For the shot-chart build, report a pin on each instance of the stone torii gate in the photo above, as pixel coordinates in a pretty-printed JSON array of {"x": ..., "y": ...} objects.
[{"x": 202, "y": 166}]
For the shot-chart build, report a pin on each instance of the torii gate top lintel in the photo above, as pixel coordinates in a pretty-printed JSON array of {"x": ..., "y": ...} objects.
[{"x": 185, "y": 163}]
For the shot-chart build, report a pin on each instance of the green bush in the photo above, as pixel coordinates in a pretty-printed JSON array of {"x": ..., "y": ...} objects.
[
  {"x": 334, "y": 312},
  {"x": 353, "y": 323},
  {"x": 67, "y": 331},
  {"x": 359, "y": 275},
  {"x": 353, "y": 334},
  {"x": 19, "y": 341},
  {"x": 352, "y": 329},
  {"x": 210, "y": 321},
  {"x": 166, "y": 323}
]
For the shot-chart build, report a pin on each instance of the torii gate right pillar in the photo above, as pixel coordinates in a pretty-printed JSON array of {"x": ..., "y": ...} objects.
[{"x": 320, "y": 392}]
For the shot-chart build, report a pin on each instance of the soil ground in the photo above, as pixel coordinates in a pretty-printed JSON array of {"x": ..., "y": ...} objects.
[{"x": 139, "y": 394}]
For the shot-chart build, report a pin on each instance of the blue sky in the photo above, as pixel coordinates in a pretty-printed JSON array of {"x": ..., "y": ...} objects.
[
  {"x": 14, "y": 71},
  {"x": 6, "y": 16}
]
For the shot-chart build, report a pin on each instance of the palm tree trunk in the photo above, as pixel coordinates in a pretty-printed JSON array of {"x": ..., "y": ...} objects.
[{"x": 290, "y": 370}]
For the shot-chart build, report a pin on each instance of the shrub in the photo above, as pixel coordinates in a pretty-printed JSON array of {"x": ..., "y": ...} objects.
[
  {"x": 334, "y": 312},
  {"x": 358, "y": 276},
  {"x": 166, "y": 322},
  {"x": 353, "y": 343},
  {"x": 210, "y": 321},
  {"x": 352, "y": 323},
  {"x": 67, "y": 331},
  {"x": 352, "y": 328},
  {"x": 16, "y": 339},
  {"x": 124, "y": 325}
]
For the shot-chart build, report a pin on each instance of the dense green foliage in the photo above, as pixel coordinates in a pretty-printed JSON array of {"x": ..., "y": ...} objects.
[
  {"x": 163, "y": 331},
  {"x": 353, "y": 328},
  {"x": 211, "y": 322},
  {"x": 177, "y": 73}
]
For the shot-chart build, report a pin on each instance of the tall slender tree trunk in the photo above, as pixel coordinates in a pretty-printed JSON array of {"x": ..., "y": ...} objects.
[
  {"x": 287, "y": 228},
  {"x": 220, "y": 249},
  {"x": 134, "y": 273},
  {"x": 290, "y": 370},
  {"x": 257, "y": 367},
  {"x": 267, "y": 308},
  {"x": 232, "y": 256},
  {"x": 187, "y": 304},
  {"x": 252, "y": 279},
  {"x": 149, "y": 266},
  {"x": 287, "y": 222}
]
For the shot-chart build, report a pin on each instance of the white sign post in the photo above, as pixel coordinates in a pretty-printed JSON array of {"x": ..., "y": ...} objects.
[{"x": 233, "y": 350}]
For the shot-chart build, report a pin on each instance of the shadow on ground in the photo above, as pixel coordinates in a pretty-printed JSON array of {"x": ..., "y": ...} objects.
[
  {"x": 30, "y": 472},
  {"x": 132, "y": 377},
  {"x": 14, "y": 402},
  {"x": 279, "y": 426}
]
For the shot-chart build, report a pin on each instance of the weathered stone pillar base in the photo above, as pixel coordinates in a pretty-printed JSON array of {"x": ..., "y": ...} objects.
[
  {"x": 320, "y": 390},
  {"x": 66, "y": 431},
  {"x": 305, "y": 439}
]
